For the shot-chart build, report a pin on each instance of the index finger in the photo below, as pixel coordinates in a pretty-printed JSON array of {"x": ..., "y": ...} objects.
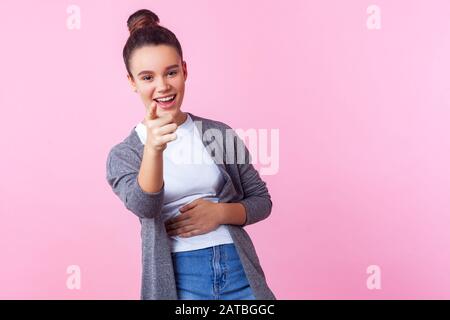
[{"x": 151, "y": 111}]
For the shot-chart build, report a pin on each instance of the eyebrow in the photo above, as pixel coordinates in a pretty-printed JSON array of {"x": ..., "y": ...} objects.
[{"x": 149, "y": 71}]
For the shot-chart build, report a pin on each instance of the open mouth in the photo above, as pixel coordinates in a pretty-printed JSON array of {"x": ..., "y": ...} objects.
[{"x": 166, "y": 103}]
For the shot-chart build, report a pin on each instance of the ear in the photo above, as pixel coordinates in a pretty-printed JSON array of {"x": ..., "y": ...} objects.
[
  {"x": 132, "y": 83},
  {"x": 184, "y": 70}
]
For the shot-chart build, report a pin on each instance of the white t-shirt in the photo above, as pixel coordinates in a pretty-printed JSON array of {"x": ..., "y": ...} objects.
[{"x": 189, "y": 173}]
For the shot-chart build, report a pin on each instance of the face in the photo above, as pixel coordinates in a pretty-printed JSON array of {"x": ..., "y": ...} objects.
[{"x": 159, "y": 72}]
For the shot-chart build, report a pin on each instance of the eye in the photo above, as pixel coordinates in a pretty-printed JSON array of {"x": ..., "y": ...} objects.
[{"x": 145, "y": 78}]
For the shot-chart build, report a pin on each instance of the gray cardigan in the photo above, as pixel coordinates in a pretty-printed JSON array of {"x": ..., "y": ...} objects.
[{"x": 242, "y": 184}]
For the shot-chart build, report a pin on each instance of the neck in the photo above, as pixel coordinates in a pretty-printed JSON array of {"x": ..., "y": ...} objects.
[{"x": 182, "y": 117}]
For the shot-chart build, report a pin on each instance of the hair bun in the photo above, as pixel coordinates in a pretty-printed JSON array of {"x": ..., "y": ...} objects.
[{"x": 141, "y": 19}]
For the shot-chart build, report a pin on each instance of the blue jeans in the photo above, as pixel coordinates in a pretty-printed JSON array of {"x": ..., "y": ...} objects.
[{"x": 213, "y": 273}]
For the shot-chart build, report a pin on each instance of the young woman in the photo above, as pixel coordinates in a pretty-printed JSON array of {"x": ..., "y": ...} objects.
[{"x": 192, "y": 213}]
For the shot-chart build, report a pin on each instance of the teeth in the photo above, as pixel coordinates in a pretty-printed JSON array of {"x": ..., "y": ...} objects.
[{"x": 165, "y": 99}]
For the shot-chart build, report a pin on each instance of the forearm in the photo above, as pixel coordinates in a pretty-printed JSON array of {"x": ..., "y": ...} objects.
[
  {"x": 151, "y": 171},
  {"x": 232, "y": 213}
]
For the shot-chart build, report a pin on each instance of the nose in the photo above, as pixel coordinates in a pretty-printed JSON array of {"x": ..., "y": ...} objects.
[{"x": 162, "y": 86}]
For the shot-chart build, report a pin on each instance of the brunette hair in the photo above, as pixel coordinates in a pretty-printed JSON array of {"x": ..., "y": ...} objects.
[{"x": 145, "y": 30}]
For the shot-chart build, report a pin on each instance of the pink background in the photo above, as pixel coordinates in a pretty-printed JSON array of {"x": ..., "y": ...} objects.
[{"x": 364, "y": 174}]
